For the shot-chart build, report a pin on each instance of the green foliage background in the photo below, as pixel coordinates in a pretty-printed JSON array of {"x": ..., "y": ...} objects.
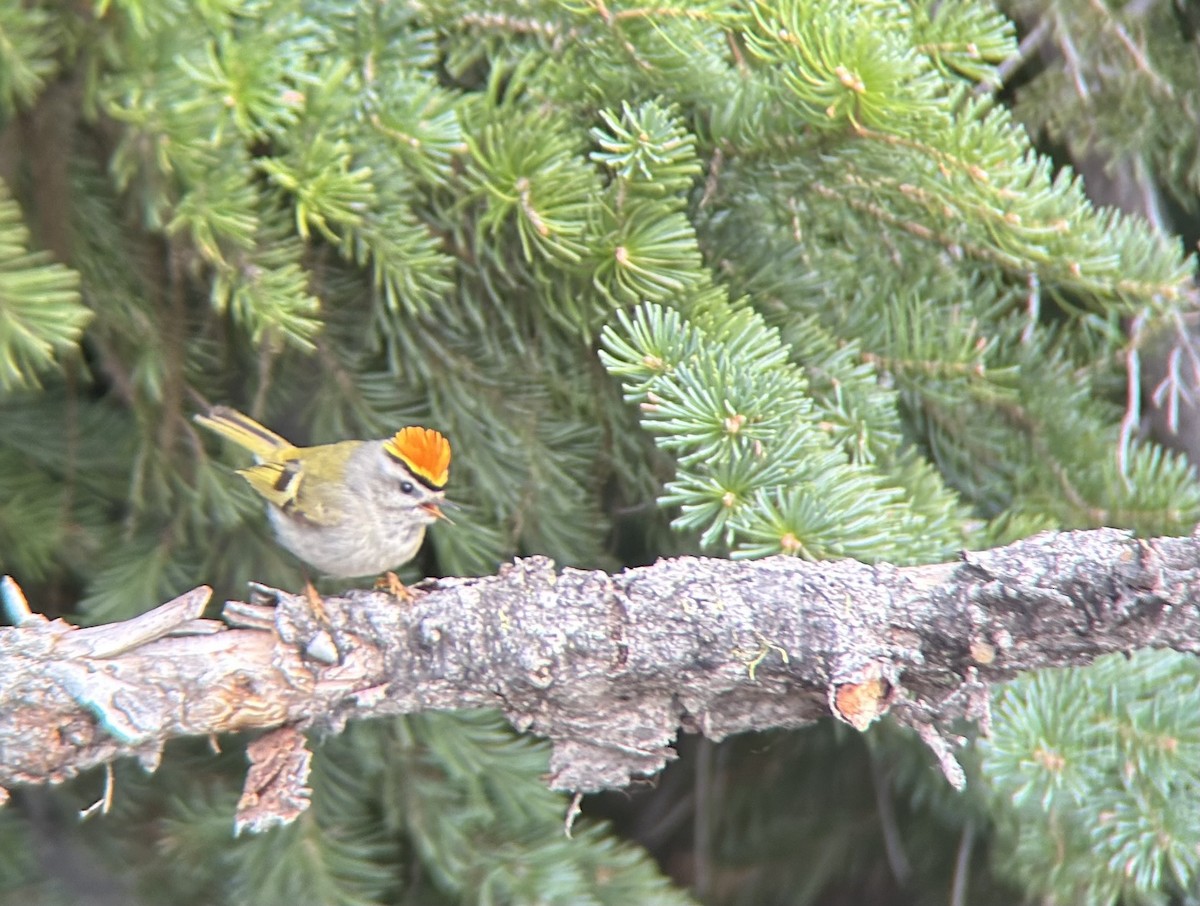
[{"x": 747, "y": 278}]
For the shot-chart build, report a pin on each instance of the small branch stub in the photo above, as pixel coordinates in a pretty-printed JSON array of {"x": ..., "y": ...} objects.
[
  {"x": 276, "y": 790},
  {"x": 862, "y": 701}
]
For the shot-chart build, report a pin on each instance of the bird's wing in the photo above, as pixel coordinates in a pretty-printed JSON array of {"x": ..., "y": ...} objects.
[{"x": 288, "y": 482}]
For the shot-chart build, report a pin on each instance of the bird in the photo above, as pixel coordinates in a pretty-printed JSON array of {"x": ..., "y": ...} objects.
[{"x": 347, "y": 509}]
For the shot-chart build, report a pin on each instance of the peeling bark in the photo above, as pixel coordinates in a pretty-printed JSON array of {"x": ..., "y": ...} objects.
[{"x": 609, "y": 668}]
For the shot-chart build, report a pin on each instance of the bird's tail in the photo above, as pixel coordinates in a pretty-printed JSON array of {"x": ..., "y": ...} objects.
[{"x": 243, "y": 431}]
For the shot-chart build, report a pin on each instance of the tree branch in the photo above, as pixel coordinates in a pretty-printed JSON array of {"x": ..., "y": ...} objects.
[{"x": 609, "y": 668}]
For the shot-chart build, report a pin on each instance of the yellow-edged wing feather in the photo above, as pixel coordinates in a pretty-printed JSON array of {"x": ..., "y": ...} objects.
[
  {"x": 279, "y": 475},
  {"x": 283, "y": 483},
  {"x": 245, "y": 432}
]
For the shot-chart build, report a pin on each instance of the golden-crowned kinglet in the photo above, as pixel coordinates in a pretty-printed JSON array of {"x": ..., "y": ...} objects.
[{"x": 354, "y": 508}]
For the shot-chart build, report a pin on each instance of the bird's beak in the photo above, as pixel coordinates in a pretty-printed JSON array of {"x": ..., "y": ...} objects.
[{"x": 435, "y": 509}]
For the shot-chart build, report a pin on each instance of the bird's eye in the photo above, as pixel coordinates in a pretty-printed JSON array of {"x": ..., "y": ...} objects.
[{"x": 406, "y": 487}]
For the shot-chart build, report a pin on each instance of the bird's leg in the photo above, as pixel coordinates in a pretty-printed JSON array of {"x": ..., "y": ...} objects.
[
  {"x": 323, "y": 645},
  {"x": 315, "y": 604}
]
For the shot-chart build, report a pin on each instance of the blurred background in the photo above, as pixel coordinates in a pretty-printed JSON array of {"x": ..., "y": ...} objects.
[{"x": 878, "y": 279}]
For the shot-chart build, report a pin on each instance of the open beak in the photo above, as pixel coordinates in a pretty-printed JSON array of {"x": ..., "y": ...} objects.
[{"x": 435, "y": 509}]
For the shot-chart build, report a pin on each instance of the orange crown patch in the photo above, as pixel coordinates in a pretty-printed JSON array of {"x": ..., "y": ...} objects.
[{"x": 425, "y": 452}]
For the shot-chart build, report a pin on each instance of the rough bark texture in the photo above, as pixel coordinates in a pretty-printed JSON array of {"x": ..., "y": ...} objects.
[{"x": 609, "y": 668}]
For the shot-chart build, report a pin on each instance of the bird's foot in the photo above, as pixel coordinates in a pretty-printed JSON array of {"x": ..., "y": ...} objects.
[{"x": 397, "y": 589}]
